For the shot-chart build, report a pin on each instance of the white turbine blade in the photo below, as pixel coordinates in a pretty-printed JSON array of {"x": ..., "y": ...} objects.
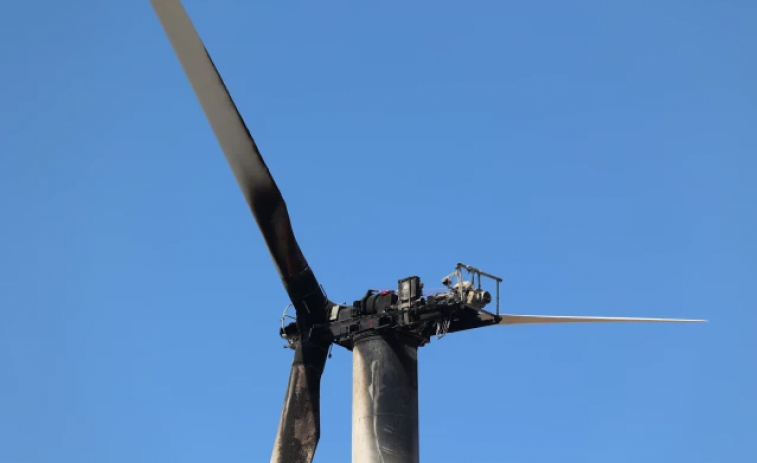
[{"x": 509, "y": 319}]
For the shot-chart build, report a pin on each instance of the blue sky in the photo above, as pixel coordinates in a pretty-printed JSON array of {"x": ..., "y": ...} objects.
[{"x": 599, "y": 156}]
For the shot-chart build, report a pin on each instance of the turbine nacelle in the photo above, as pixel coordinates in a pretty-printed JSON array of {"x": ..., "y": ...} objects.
[{"x": 406, "y": 310}]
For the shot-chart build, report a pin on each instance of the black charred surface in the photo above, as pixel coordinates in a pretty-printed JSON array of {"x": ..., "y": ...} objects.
[
  {"x": 299, "y": 428},
  {"x": 391, "y": 375},
  {"x": 470, "y": 320},
  {"x": 299, "y": 281}
]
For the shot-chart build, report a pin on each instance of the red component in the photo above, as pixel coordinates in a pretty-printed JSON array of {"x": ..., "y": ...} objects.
[{"x": 370, "y": 323}]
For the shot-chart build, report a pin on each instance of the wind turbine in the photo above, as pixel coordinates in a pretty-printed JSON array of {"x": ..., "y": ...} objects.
[{"x": 383, "y": 330}]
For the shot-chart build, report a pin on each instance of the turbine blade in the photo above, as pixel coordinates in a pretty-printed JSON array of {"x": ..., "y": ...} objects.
[
  {"x": 249, "y": 169},
  {"x": 509, "y": 319},
  {"x": 300, "y": 426}
]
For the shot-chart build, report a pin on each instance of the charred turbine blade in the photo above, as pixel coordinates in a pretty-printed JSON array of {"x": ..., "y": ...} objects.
[
  {"x": 257, "y": 184},
  {"x": 480, "y": 320},
  {"x": 300, "y": 426},
  {"x": 510, "y": 319}
]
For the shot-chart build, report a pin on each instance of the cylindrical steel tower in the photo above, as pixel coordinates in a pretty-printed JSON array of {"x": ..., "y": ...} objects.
[{"x": 385, "y": 399}]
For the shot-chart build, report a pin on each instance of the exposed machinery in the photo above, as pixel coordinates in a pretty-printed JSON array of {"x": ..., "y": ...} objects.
[{"x": 408, "y": 311}]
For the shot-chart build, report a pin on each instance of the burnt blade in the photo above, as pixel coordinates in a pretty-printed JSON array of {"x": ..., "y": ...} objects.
[
  {"x": 300, "y": 425},
  {"x": 254, "y": 179},
  {"x": 468, "y": 320}
]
